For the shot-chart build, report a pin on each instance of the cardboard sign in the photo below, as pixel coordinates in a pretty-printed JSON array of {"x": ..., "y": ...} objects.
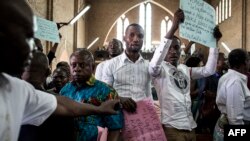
[
  {"x": 47, "y": 30},
  {"x": 144, "y": 125},
  {"x": 199, "y": 22}
]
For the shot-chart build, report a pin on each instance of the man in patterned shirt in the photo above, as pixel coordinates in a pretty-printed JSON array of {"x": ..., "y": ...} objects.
[{"x": 86, "y": 89}]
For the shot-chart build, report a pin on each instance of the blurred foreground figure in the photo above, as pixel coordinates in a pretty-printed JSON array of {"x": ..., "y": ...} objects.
[{"x": 20, "y": 103}]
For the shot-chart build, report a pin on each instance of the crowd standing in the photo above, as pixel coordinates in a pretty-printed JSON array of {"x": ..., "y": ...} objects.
[{"x": 77, "y": 105}]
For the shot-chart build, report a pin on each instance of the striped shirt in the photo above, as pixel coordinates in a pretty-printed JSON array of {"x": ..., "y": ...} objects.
[
  {"x": 130, "y": 79},
  {"x": 99, "y": 70}
]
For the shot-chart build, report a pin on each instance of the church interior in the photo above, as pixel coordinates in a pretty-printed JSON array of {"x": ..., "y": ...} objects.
[{"x": 107, "y": 19}]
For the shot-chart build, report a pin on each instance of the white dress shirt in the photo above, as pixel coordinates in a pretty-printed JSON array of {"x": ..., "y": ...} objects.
[
  {"x": 99, "y": 70},
  {"x": 173, "y": 86},
  {"x": 233, "y": 97},
  {"x": 128, "y": 78},
  {"x": 20, "y": 104}
]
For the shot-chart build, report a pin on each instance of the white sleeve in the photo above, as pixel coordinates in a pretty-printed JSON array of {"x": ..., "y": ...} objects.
[
  {"x": 209, "y": 68},
  {"x": 158, "y": 57},
  {"x": 107, "y": 75},
  {"x": 39, "y": 106},
  {"x": 235, "y": 103},
  {"x": 98, "y": 71}
]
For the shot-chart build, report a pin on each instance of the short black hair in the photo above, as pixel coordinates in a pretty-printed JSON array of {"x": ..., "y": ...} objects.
[
  {"x": 193, "y": 61},
  {"x": 64, "y": 66},
  {"x": 62, "y": 63},
  {"x": 237, "y": 57},
  {"x": 135, "y": 25},
  {"x": 64, "y": 69},
  {"x": 84, "y": 54},
  {"x": 119, "y": 42},
  {"x": 39, "y": 62}
]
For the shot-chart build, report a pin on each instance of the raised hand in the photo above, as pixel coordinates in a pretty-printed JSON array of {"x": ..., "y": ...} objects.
[
  {"x": 178, "y": 18},
  {"x": 217, "y": 33},
  {"x": 61, "y": 24}
]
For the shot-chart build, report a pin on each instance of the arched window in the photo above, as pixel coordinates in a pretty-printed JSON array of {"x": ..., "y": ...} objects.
[
  {"x": 119, "y": 29},
  {"x": 166, "y": 24},
  {"x": 145, "y": 20},
  {"x": 122, "y": 24},
  {"x": 230, "y": 8},
  {"x": 223, "y": 11},
  {"x": 163, "y": 28}
]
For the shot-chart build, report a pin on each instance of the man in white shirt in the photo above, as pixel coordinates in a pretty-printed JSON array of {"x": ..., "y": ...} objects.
[
  {"x": 172, "y": 83},
  {"x": 20, "y": 103},
  {"x": 115, "y": 48},
  {"x": 233, "y": 95},
  {"x": 128, "y": 72}
]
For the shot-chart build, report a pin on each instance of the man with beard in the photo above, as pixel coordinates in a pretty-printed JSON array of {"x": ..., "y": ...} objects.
[
  {"x": 115, "y": 48},
  {"x": 172, "y": 83}
]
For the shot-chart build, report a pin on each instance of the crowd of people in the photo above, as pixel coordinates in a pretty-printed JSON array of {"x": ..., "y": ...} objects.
[{"x": 195, "y": 97}]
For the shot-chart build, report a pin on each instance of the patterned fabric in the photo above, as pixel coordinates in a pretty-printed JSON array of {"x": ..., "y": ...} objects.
[
  {"x": 218, "y": 133},
  {"x": 94, "y": 93}
]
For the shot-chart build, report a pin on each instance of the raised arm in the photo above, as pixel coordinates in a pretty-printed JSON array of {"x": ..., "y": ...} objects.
[
  {"x": 210, "y": 67},
  {"x": 161, "y": 51},
  {"x": 52, "y": 52}
]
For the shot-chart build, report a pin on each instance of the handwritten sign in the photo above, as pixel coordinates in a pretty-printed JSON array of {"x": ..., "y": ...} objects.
[
  {"x": 47, "y": 30},
  {"x": 144, "y": 125},
  {"x": 199, "y": 22}
]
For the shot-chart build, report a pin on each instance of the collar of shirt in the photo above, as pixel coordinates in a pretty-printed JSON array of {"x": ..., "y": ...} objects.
[
  {"x": 90, "y": 82},
  {"x": 125, "y": 58},
  {"x": 242, "y": 76},
  {"x": 169, "y": 64}
]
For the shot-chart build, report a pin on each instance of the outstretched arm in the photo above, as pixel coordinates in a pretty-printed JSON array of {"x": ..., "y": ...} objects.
[
  {"x": 161, "y": 51},
  {"x": 68, "y": 107}
]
